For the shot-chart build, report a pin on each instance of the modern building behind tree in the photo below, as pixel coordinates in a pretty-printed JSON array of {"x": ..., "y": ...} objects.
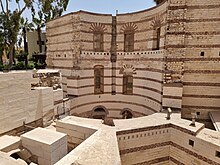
[{"x": 33, "y": 43}]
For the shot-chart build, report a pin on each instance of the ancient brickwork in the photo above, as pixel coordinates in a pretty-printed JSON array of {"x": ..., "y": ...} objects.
[
  {"x": 64, "y": 45},
  {"x": 175, "y": 43},
  {"x": 144, "y": 24},
  {"x": 145, "y": 99},
  {"x": 201, "y": 63},
  {"x": 164, "y": 143},
  {"x": 184, "y": 76}
]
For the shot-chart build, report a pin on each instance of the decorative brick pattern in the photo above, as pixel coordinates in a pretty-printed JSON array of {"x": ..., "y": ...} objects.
[
  {"x": 162, "y": 14},
  {"x": 120, "y": 102},
  {"x": 158, "y": 160},
  {"x": 201, "y": 84},
  {"x": 97, "y": 27},
  {"x": 200, "y": 107},
  {"x": 157, "y": 21},
  {"x": 129, "y": 26},
  {"x": 194, "y": 154},
  {"x": 155, "y": 128},
  {"x": 175, "y": 161},
  {"x": 136, "y": 149},
  {"x": 202, "y": 96},
  {"x": 172, "y": 97},
  {"x": 193, "y": 7},
  {"x": 170, "y": 143},
  {"x": 179, "y": 64},
  {"x": 203, "y": 71}
]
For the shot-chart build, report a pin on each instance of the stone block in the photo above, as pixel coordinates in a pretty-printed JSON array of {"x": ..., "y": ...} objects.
[
  {"x": 45, "y": 144},
  {"x": 8, "y": 143}
]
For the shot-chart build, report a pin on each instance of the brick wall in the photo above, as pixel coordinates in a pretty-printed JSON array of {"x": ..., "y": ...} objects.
[{"x": 188, "y": 27}]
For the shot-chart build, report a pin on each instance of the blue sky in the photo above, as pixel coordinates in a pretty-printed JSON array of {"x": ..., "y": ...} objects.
[
  {"x": 109, "y": 6},
  {"x": 104, "y": 6}
]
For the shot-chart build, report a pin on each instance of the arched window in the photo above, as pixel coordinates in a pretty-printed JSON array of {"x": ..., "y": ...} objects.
[
  {"x": 129, "y": 30},
  {"x": 98, "y": 41},
  {"x": 156, "y": 42},
  {"x": 127, "y": 84},
  {"x": 98, "y": 79},
  {"x": 129, "y": 40}
]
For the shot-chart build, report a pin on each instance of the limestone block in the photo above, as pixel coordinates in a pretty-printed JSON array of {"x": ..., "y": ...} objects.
[
  {"x": 46, "y": 144},
  {"x": 57, "y": 95},
  {"x": 172, "y": 91},
  {"x": 9, "y": 143},
  {"x": 173, "y": 103},
  {"x": 5, "y": 159}
]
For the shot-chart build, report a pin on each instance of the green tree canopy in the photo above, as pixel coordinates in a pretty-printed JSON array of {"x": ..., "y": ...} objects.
[
  {"x": 41, "y": 10},
  {"x": 158, "y": 1},
  {"x": 10, "y": 23},
  {"x": 47, "y": 10}
]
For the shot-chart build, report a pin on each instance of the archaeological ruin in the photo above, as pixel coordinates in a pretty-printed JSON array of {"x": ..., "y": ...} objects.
[{"x": 126, "y": 89}]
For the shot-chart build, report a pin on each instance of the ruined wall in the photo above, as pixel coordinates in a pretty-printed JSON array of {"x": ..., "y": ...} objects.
[
  {"x": 19, "y": 104},
  {"x": 146, "y": 140},
  {"x": 63, "y": 46},
  {"x": 168, "y": 144},
  {"x": 149, "y": 147}
]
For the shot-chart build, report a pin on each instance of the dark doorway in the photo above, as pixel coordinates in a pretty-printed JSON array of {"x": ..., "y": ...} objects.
[
  {"x": 99, "y": 113},
  {"x": 127, "y": 114},
  {"x": 15, "y": 156}
]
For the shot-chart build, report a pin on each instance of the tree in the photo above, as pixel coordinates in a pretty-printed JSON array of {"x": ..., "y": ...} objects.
[
  {"x": 9, "y": 24},
  {"x": 47, "y": 10},
  {"x": 10, "y": 20},
  {"x": 2, "y": 47},
  {"x": 24, "y": 27},
  {"x": 158, "y": 1}
]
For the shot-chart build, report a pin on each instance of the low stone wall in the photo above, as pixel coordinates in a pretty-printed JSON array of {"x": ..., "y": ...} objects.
[{"x": 22, "y": 106}]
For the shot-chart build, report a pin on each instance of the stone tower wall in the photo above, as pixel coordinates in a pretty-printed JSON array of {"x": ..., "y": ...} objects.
[
  {"x": 166, "y": 145},
  {"x": 201, "y": 73},
  {"x": 144, "y": 23},
  {"x": 63, "y": 45},
  {"x": 192, "y": 59},
  {"x": 90, "y": 22},
  {"x": 145, "y": 100},
  {"x": 179, "y": 78},
  {"x": 79, "y": 78}
]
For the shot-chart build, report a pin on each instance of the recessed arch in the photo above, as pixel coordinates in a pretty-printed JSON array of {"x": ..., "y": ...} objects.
[
  {"x": 97, "y": 27},
  {"x": 157, "y": 22},
  {"x": 129, "y": 27},
  {"x": 127, "y": 113},
  {"x": 98, "y": 79},
  {"x": 128, "y": 69},
  {"x": 98, "y": 30},
  {"x": 99, "y": 112},
  {"x": 129, "y": 31}
]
